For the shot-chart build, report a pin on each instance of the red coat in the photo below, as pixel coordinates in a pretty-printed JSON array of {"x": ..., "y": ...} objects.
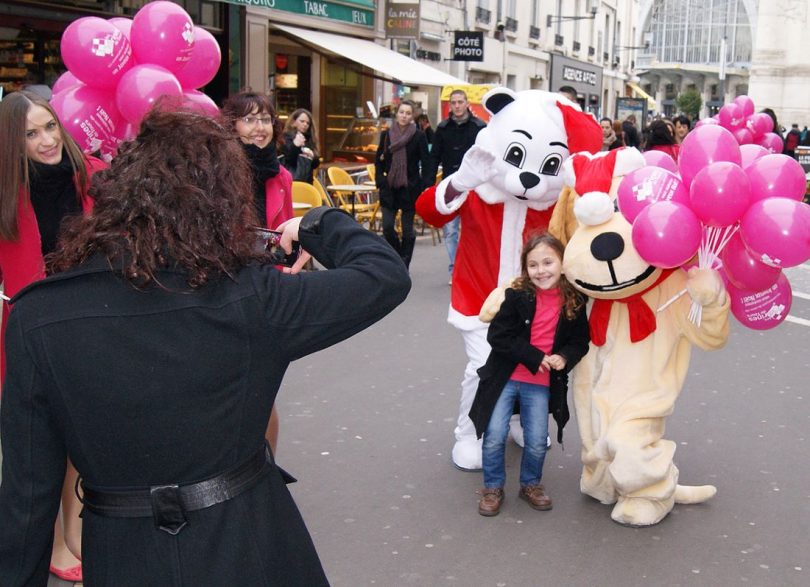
[
  {"x": 278, "y": 191},
  {"x": 21, "y": 261},
  {"x": 487, "y": 250}
]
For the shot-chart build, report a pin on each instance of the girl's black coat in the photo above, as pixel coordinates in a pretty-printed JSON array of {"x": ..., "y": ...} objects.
[
  {"x": 416, "y": 152},
  {"x": 509, "y": 335}
]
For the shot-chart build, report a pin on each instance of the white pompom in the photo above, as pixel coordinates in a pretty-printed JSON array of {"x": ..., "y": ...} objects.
[{"x": 593, "y": 208}]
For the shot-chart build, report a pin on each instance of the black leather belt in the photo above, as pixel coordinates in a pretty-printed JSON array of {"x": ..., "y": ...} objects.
[{"x": 167, "y": 504}]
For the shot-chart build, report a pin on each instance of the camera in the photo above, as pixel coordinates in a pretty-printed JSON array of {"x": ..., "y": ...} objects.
[{"x": 270, "y": 241}]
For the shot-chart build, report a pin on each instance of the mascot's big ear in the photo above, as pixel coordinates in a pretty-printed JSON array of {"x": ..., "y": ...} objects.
[
  {"x": 584, "y": 133},
  {"x": 497, "y": 99},
  {"x": 563, "y": 223}
]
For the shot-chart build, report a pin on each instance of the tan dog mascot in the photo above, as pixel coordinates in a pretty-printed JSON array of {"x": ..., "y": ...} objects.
[{"x": 627, "y": 384}]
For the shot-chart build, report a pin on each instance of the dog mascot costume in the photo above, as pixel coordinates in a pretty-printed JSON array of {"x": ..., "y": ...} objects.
[
  {"x": 504, "y": 190},
  {"x": 627, "y": 384}
]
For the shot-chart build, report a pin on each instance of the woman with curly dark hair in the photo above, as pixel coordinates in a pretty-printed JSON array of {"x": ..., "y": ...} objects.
[
  {"x": 659, "y": 137},
  {"x": 152, "y": 358}
]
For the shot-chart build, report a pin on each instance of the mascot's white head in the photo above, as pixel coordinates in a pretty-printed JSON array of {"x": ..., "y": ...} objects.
[{"x": 532, "y": 132}]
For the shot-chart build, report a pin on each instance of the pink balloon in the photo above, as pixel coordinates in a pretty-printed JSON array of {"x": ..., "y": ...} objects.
[
  {"x": 65, "y": 81},
  {"x": 122, "y": 24},
  {"x": 731, "y": 116},
  {"x": 141, "y": 87},
  {"x": 762, "y": 310},
  {"x": 89, "y": 115},
  {"x": 777, "y": 231},
  {"x": 96, "y": 52},
  {"x": 641, "y": 187},
  {"x": 204, "y": 62},
  {"x": 660, "y": 159},
  {"x": 705, "y": 122},
  {"x": 720, "y": 194},
  {"x": 196, "y": 100},
  {"x": 126, "y": 131},
  {"x": 771, "y": 141},
  {"x": 760, "y": 124},
  {"x": 751, "y": 153},
  {"x": 743, "y": 270},
  {"x": 706, "y": 145},
  {"x": 746, "y": 104},
  {"x": 779, "y": 176},
  {"x": 743, "y": 136},
  {"x": 163, "y": 34},
  {"x": 666, "y": 234}
]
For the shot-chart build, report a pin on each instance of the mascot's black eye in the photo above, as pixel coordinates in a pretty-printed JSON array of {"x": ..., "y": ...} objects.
[
  {"x": 515, "y": 155},
  {"x": 551, "y": 166}
]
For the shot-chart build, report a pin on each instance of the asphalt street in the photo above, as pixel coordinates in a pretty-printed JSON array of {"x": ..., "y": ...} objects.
[{"x": 367, "y": 428}]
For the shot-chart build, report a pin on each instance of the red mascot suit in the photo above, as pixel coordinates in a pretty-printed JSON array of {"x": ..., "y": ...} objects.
[{"x": 504, "y": 190}]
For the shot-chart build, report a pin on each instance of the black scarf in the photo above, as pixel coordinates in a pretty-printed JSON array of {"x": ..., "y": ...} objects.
[
  {"x": 264, "y": 164},
  {"x": 53, "y": 197}
]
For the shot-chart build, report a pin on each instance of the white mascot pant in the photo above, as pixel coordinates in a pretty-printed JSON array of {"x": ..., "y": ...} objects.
[{"x": 467, "y": 449}]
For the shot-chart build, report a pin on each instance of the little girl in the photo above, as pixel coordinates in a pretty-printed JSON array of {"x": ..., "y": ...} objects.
[{"x": 538, "y": 335}]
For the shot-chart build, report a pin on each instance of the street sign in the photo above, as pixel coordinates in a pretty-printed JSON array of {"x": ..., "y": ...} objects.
[{"x": 468, "y": 46}]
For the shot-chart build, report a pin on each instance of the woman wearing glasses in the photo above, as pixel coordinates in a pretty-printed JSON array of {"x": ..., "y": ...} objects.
[{"x": 254, "y": 119}]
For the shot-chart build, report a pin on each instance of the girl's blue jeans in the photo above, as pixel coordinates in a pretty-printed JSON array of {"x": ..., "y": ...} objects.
[{"x": 534, "y": 420}]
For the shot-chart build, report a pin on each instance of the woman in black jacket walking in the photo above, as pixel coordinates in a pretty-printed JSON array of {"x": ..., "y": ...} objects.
[{"x": 401, "y": 162}]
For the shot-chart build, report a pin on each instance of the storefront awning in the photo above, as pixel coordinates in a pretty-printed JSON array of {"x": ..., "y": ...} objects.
[
  {"x": 399, "y": 68},
  {"x": 652, "y": 104}
]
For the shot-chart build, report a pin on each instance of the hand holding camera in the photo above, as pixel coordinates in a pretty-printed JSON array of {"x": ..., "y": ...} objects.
[{"x": 283, "y": 246}]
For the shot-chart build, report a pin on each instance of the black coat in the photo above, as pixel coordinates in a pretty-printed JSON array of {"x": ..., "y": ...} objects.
[
  {"x": 509, "y": 335},
  {"x": 161, "y": 386},
  {"x": 291, "y": 155},
  {"x": 450, "y": 141},
  {"x": 416, "y": 153}
]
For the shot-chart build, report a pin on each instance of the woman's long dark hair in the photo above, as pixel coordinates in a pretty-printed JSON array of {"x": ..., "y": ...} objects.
[
  {"x": 659, "y": 134},
  {"x": 244, "y": 103},
  {"x": 179, "y": 194},
  {"x": 14, "y": 158},
  {"x": 572, "y": 299}
]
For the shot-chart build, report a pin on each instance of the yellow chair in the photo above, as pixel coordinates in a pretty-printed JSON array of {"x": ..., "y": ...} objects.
[
  {"x": 304, "y": 194},
  {"x": 325, "y": 199},
  {"x": 371, "y": 169},
  {"x": 339, "y": 176}
]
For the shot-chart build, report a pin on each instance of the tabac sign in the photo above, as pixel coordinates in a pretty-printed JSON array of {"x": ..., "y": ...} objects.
[{"x": 402, "y": 20}]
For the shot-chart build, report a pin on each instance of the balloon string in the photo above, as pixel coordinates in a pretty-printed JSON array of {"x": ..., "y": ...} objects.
[{"x": 713, "y": 241}]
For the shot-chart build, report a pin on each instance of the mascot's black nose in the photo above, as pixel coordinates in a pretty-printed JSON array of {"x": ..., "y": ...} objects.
[
  {"x": 607, "y": 246},
  {"x": 529, "y": 180}
]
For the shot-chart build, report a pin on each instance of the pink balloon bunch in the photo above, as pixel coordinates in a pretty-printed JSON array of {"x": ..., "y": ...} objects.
[
  {"x": 738, "y": 207},
  {"x": 747, "y": 126},
  {"x": 124, "y": 66}
]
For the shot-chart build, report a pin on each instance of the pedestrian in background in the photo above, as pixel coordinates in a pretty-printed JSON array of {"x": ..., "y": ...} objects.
[
  {"x": 44, "y": 179},
  {"x": 792, "y": 140},
  {"x": 569, "y": 92},
  {"x": 300, "y": 148},
  {"x": 659, "y": 138},
  {"x": 423, "y": 122},
  {"x": 609, "y": 139},
  {"x": 631, "y": 135},
  {"x": 453, "y": 138},
  {"x": 537, "y": 336},
  {"x": 400, "y": 165},
  {"x": 254, "y": 119},
  {"x": 682, "y": 127},
  {"x": 186, "y": 332}
]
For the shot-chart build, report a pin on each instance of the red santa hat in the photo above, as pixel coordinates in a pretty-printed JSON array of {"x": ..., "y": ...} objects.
[{"x": 584, "y": 133}]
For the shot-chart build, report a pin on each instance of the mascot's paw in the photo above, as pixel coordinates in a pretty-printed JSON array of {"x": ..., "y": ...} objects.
[
  {"x": 492, "y": 304},
  {"x": 694, "y": 494},
  {"x": 467, "y": 454},
  {"x": 516, "y": 430},
  {"x": 640, "y": 511},
  {"x": 705, "y": 286},
  {"x": 477, "y": 167}
]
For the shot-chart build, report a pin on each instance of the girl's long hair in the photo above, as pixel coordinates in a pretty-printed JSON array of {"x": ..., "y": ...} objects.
[
  {"x": 14, "y": 157},
  {"x": 178, "y": 195},
  {"x": 572, "y": 299},
  {"x": 242, "y": 104},
  {"x": 312, "y": 133}
]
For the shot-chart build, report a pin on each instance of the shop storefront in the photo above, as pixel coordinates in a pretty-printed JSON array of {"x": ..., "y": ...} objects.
[
  {"x": 31, "y": 30},
  {"x": 585, "y": 78},
  {"x": 328, "y": 57}
]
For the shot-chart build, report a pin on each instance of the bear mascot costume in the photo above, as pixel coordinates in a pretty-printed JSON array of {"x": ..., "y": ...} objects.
[
  {"x": 627, "y": 384},
  {"x": 505, "y": 189}
]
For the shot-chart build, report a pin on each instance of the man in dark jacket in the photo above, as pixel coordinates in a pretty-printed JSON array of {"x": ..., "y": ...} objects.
[{"x": 453, "y": 137}]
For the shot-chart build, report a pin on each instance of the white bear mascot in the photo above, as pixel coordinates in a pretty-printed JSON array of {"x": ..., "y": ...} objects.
[{"x": 504, "y": 190}]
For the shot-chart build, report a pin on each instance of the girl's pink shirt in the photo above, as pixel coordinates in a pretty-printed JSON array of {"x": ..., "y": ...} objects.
[{"x": 546, "y": 315}]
